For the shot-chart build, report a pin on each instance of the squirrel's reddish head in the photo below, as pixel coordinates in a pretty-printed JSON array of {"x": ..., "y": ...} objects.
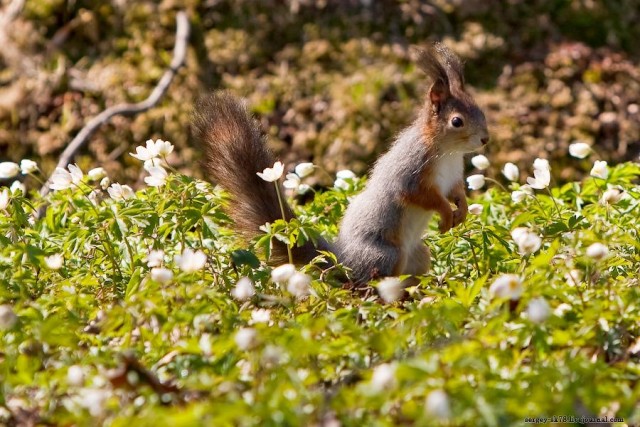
[{"x": 453, "y": 120}]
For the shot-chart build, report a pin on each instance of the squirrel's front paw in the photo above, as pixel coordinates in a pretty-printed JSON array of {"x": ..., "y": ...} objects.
[
  {"x": 446, "y": 222},
  {"x": 459, "y": 216}
]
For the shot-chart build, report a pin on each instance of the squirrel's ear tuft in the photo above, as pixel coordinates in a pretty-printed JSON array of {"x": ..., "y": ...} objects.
[
  {"x": 427, "y": 59},
  {"x": 451, "y": 63},
  {"x": 440, "y": 63}
]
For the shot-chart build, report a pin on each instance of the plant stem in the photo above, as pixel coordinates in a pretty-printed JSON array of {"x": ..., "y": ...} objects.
[
  {"x": 34, "y": 176},
  {"x": 497, "y": 183},
  {"x": 284, "y": 218},
  {"x": 539, "y": 205},
  {"x": 554, "y": 203},
  {"x": 112, "y": 258},
  {"x": 86, "y": 196},
  {"x": 473, "y": 252},
  {"x": 113, "y": 214},
  {"x": 166, "y": 165}
]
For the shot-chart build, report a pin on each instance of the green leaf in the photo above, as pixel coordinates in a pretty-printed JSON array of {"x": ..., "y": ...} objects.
[
  {"x": 134, "y": 283},
  {"x": 242, "y": 257}
]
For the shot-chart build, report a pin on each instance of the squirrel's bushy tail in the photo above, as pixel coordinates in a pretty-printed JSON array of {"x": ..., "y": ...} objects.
[{"x": 234, "y": 150}]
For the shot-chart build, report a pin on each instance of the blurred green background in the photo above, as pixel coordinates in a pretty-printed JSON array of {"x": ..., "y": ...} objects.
[{"x": 331, "y": 81}]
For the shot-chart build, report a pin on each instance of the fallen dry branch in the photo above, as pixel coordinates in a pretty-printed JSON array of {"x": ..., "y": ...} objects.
[
  {"x": 12, "y": 10},
  {"x": 11, "y": 54},
  {"x": 128, "y": 109}
]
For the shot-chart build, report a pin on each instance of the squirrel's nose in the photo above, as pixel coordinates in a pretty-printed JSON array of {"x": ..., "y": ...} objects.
[{"x": 484, "y": 140}]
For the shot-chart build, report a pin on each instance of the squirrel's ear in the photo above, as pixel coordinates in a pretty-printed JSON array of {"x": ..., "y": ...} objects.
[{"x": 438, "y": 93}]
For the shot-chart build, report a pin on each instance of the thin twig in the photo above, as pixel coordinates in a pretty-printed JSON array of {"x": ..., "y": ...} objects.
[
  {"x": 128, "y": 109},
  {"x": 11, "y": 53},
  {"x": 11, "y": 12}
]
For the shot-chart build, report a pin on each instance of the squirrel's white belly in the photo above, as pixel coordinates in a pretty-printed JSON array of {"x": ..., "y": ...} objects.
[
  {"x": 449, "y": 171},
  {"x": 414, "y": 226}
]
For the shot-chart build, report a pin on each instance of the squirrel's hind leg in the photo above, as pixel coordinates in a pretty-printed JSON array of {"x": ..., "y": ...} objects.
[
  {"x": 372, "y": 261},
  {"x": 419, "y": 261}
]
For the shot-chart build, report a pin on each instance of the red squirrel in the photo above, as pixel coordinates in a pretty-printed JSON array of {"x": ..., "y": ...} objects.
[{"x": 381, "y": 232}]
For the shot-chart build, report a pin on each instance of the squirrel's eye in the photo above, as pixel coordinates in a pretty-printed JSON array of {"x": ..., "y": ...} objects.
[{"x": 457, "y": 122}]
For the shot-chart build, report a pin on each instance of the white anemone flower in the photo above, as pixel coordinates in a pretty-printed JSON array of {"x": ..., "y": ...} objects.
[
  {"x": 345, "y": 174},
  {"x": 527, "y": 189},
  {"x": 541, "y": 164},
  {"x": 75, "y": 375},
  {"x": 63, "y": 179},
  {"x": 260, "y": 315},
  {"x": 341, "y": 184},
  {"x": 17, "y": 186},
  {"x": 272, "y": 174},
  {"x": 246, "y": 338},
  {"x": 541, "y": 179},
  {"x": 507, "y": 286},
  {"x": 164, "y": 148},
  {"x": 190, "y": 261},
  {"x": 205, "y": 343},
  {"x": 384, "y": 377},
  {"x": 120, "y": 192},
  {"x": 292, "y": 181},
  {"x": 480, "y": 162},
  {"x": 105, "y": 183},
  {"x": 148, "y": 152},
  {"x": 4, "y": 198},
  {"x": 527, "y": 241},
  {"x": 161, "y": 275},
  {"x": 155, "y": 162},
  {"x": 562, "y": 309},
  {"x": 28, "y": 166},
  {"x": 600, "y": 169},
  {"x": 344, "y": 178},
  {"x": 282, "y": 273},
  {"x": 94, "y": 400},
  {"x": 96, "y": 174},
  {"x": 243, "y": 290},
  {"x": 157, "y": 178},
  {"x": 303, "y": 170},
  {"x": 511, "y": 172},
  {"x": 475, "y": 209},
  {"x": 597, "y": 251},
  {"x": 522, "y": 192},
  {"x": 538, "y": 310},
  {"x": 93, "y": 196},
  {"x": 519, "y": 233},
  {"x": 155, "y": 258},
  {"x": 518, "y": 195},
  {"x": 437, "y": 405},
  {"x": 611, "y": 196},
  {"x": 9, "y": 170},
  {"x": 475, "y": 182},
  {"x": 76, "y": 173},
  {"x": 54, "y": 262},
  {"x": 579, "y": 150},
  {"x": 298, "y": 285}
]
